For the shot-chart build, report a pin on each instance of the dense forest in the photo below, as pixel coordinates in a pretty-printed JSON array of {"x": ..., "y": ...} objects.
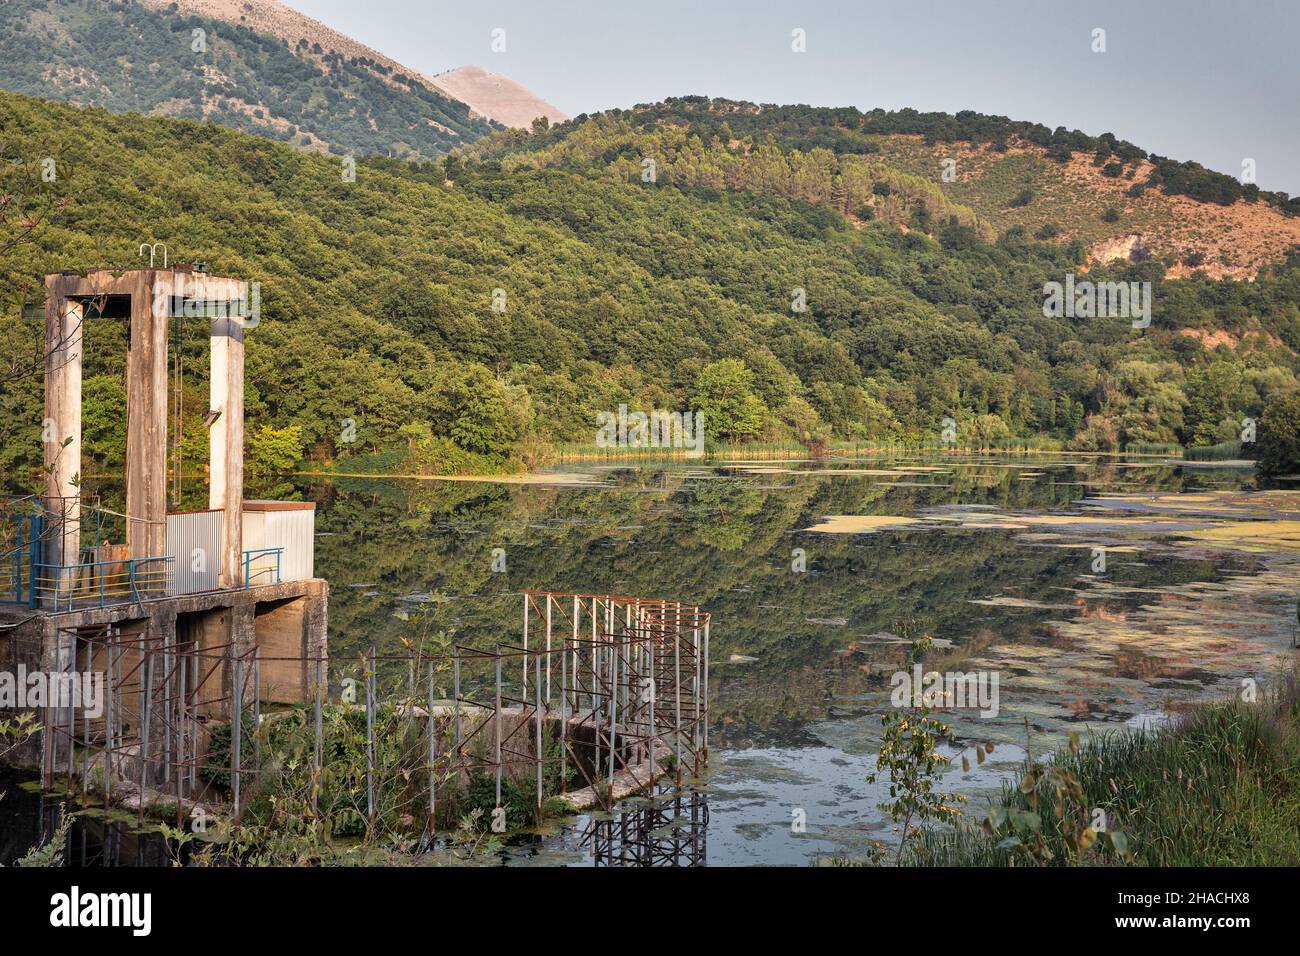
[
  {"x": 125, "y": 56},
  {"x": 848, "y": 131},
  {"x": 472, "y": 313}
]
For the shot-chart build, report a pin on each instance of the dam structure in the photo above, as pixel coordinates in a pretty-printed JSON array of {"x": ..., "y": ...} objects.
[
  {"x": 218, "y": 584},
  {"x": 206, "y": 626}
]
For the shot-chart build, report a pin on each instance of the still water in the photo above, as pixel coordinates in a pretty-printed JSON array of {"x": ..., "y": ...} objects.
[{"x": 1103, "y": 592}]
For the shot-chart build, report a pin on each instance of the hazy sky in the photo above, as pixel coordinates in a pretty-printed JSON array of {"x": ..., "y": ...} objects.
[{"x": 1190, "y": 79}]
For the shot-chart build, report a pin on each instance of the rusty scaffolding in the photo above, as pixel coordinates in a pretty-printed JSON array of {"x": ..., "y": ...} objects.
[{"x": 607, "y": 693}]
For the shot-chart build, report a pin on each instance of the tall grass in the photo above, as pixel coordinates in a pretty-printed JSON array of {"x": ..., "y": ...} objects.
[
  {"x": 1172, "y": 449},
  {"x": 592, "y": 452},
  {"x": 1219, "y": 787},
  {"x": 1223, "y": 451}
]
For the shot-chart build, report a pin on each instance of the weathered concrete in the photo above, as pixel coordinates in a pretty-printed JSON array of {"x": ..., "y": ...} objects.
[
  {"x": 150, "y": 293},
  {"x": 212, "y": 620},
  {"x": 226, "y": 434},
  {"x": 629, "y": 779},
  {"x": 61, "y": 434},
  {"x": 146, "y": 420}
]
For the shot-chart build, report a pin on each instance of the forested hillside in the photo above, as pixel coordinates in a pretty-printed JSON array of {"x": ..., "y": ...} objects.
[
  {"x": 378, "y": 303},
  {"x": 126, "y": 56},
  {"x": 1107, "y": 197}
]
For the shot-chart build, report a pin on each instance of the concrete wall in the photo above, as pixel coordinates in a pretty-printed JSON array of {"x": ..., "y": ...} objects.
[{"x": 290, "y": 617}]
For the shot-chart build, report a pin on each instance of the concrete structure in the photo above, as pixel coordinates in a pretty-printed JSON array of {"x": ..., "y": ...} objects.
[
  {"x": 72, "y": 610},
  {"x": 149, "y": 299}
]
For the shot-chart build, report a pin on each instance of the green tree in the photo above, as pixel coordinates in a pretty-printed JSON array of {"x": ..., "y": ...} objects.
[
  {"x": 488, "y": 416},
  {"x": 724, "y": 395},
  {"x": 1279, "y": 437},
  {"x": 909, "y": 754},
  {"x": 271, "y": 451}
]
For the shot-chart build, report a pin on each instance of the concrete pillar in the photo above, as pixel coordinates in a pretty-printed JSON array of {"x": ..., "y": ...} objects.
[
  {"x": 316, "y": 632},
  {"x": 243, "y": 638},
  {"x": 62, "y": 427},
  {"x": 58, "y": 653},
  {"x": 146, "y": 419},
  {"x": 226, "y": 436}
]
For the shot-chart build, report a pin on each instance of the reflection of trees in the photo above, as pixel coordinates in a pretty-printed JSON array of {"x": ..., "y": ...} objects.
[
  {"x": 659, "y": 535},
  {"x": 721, "y": 514}
]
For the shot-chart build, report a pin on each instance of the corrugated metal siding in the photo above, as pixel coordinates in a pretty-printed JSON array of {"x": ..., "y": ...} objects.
[
  {"x": 295, "y": 531},
  {"x": 194, "y": 539}
]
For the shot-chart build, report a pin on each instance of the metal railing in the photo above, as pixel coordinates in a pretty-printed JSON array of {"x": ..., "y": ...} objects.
[
  {"x": 102, "y": 583},
  {"x": 605, "y": 697},
  {"x": 20, "y": 550},
  {"x": 269, "y": 570}
]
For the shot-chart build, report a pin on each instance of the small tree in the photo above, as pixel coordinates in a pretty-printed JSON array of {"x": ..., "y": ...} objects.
[
  {"x": 909, "y": 754},
  {"x": 724, "y": 395},
  {"x": 1279, "y": 436}
]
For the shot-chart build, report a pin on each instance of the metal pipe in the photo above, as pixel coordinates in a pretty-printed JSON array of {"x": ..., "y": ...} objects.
[
  {"x": 613, "y": 715},
  {"x": 110, "y": 716},
  {"x": 564, "y": 716},
  {"x": 654, "y": 693},
  {"x": 67, "y": 675},
  {"x": 497, "y": 715},
  {"x": 194, "y": 665},
  {"x": 455, "y": 703},
  {"x": 318, "y": 751},
  {"x": 144, "y": 726},
  {"x": 577, "y": 612},
  {"x": 166, "y": 689},
  {"x": 433, "y": 786},
  {"x": 370, "y": 738},
  {"x": 705, "y": 735},
  {"x": 677, "y": 694},
  {"x": 695, "y": 695},
  {"x": 537, "y": 718},
  {"x": 257, "y": 715},
  {"x": 85, "y": 725},
  {"x": 182, "y": 663},
  {"x": 236, "y": 721}
]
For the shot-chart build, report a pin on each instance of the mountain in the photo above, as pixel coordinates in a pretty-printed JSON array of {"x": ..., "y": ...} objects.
[
  {"x": 497, "y": 97},
  {"x": 1104, "y": 196},
  {"x": 253, "y": 65},
  {"x": 490, "y": 95},
  {"x": 467, "y": 315}
]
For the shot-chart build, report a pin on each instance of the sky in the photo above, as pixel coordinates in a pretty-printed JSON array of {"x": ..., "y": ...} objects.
[{"x": 1216, "y": 82}]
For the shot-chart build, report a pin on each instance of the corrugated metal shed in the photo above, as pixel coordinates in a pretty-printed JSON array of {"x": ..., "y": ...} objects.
[
  {"x": 283, "y": 524},
  {"x": 194, "y": 539}
]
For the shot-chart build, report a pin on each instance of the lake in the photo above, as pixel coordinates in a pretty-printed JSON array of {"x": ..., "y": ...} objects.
[{"x": 1103, "y": 592}]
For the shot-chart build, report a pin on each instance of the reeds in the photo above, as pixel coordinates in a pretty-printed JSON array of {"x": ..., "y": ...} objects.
[{"x": 1219, "y": 786}]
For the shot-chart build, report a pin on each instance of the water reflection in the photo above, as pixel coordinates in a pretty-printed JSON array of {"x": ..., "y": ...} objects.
[
  {"x": 670, "y": 829},
  {"x": 30, "y": 818},
  {"x": 802, "y": 658}
]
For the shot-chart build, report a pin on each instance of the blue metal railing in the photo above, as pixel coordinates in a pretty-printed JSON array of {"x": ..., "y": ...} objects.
[
  {"x": 18, "y": 562},
  {"x": 268, "y": 573},
  {"x": 102, "y": 583}
]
